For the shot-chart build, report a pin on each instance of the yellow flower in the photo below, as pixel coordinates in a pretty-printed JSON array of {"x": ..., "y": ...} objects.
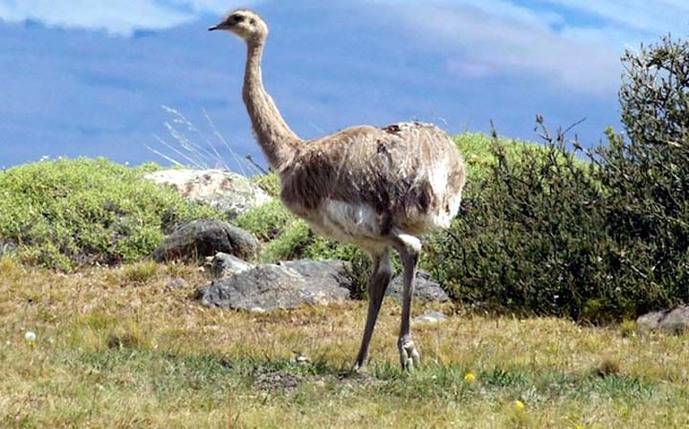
[
  {"x": 518, "y": 406},
  {"x": 469, "y": 377}
]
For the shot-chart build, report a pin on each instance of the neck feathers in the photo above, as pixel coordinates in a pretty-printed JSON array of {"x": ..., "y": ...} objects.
[{"x": 277, "y": 140}]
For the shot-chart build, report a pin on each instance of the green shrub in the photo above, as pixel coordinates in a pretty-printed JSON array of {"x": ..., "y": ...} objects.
[
  {"x": 270, "y": 183},
  {"x": 548, "y": 233},
  {"x": 267, "y": 221},
  {"x": 648, "y": 174},
  {"x": 529, "y": 237},
  {"x": 64, "y": 213}
]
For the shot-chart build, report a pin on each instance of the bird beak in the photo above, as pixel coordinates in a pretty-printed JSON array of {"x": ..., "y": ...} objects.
[{"x": 219, "y": 26}]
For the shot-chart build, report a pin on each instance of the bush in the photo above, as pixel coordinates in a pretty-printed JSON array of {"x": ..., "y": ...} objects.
[
  {"x": 66, "y": 213},
  {"x": 648, "y": 175},
  {"x": 267, "y": 221},
  {"x": 548, "y": 233},
  {"x": 529, "y": 237}
]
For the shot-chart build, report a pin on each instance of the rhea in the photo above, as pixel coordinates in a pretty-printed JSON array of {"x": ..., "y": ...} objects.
[{"x": 380, "y": 188}]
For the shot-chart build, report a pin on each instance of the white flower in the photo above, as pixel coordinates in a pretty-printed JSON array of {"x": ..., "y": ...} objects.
[{"x": 30, "y": 336}]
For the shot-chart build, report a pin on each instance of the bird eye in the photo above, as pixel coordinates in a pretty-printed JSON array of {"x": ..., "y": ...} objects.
[{"x": 237, "y": 18}]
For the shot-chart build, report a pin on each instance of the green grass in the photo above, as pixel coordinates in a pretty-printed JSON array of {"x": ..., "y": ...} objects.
[
  {"x": 65, "y": 213},
  {"x": 116, "y": 350}
]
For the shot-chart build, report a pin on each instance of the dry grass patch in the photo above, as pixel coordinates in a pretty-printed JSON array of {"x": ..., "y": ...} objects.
[{"x": 119, "y": 350}]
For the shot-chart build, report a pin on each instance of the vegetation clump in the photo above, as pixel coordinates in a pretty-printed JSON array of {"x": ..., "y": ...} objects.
[{"x": 64, "y": 213}]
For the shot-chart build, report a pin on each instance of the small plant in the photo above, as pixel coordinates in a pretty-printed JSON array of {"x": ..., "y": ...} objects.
[
  {"x": 608, "y": 367},
  {"x": 267, "y": 221},
  {"x": 140, "y": 272},
  {"x": 628, "y": 328},
  {"x": 189, "y": 146}
]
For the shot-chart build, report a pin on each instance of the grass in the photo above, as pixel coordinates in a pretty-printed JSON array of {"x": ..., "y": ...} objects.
[{"x": 116, "y": 347}]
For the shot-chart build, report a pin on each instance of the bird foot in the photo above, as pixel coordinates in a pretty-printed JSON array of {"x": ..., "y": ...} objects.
[
  {"x": 359, "y": 368},
  {"x": 409, "y": 357}
]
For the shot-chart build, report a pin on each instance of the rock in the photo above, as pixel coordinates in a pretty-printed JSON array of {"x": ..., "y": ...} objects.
[
  {"x": 7, "y": 247},
  {"x": 202, "y": 238},
  {"x": 228, "y": 192},
  {"x": 287, "y": 285},
  {"x": 430, "y": 318},
  {"x": 426, "y": 290},
  {"x": 225, "y": 265},
  {"x": 271, "y": 381},
  {"x": 669, "y": 321},
  {"x": 177, "y": 284}
]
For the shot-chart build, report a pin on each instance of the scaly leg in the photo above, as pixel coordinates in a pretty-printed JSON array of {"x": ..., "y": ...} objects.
[
  {"x": 377, "y": 284},
  {"x": 409, "y": 248}
]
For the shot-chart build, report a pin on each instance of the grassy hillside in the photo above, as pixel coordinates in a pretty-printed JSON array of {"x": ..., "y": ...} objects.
[{"x": 117, "y": 348}]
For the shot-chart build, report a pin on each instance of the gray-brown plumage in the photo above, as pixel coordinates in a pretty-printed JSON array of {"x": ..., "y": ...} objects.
[{"x": 378, "y": 188}]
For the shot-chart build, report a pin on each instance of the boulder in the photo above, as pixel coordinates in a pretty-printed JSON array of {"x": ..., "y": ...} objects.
[
  {"x": 427, "y": 290},
  {"x": 280, "y": 286},
  {"x": 228, "y": 192},
  {"x": 669, "y": 321},
  {"x": 225, "y": 265},
  {"x": 202, "y": 238}
]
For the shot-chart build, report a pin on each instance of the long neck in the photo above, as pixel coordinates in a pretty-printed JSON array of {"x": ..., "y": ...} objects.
[{"x": 277, "y": 140}]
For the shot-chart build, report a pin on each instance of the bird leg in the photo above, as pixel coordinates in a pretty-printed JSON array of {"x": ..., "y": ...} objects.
[
  {"x": 409, "y": 248},
  {"x": 377, "y": 284}
]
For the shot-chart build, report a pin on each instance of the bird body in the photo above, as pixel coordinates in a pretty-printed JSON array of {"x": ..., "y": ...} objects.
[
  {"x": 361, "y": 183},
  {"x": 378, "y": 188}
]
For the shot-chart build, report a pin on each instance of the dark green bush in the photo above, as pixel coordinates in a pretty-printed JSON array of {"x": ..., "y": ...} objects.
[
  {"x": 550, "y": 233},
  {"x": 65, "y": 213},
  {"x": 530, "y": 237}
]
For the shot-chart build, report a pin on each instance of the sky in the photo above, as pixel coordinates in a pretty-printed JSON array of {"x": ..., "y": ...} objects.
[{"x": 105, "y": 78}]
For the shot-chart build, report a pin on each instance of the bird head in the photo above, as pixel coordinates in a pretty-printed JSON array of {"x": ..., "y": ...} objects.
[{"x": 245, "y": 24}]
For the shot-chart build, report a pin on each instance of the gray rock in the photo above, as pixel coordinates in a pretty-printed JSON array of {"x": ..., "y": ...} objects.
[
  {"x": 287, "y": 285},
  {"x": 202, "y": 238},
  {"x": 225, "y": 265},
  {"x": 229, "y": 192},
  {"x": 177, "y": 284},
  {"x": 427, "y": 290},
  {"x": 669, "y": 321},
  {"x": 7, "y": 247},
  {"x": 430, "y": 318}
]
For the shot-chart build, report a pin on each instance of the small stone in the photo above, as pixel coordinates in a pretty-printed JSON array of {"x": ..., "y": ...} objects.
[
  {"x": 302, "y": 359},
  {"x": 430, "y": 317},
  {"x": 177, "y": 284}
]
